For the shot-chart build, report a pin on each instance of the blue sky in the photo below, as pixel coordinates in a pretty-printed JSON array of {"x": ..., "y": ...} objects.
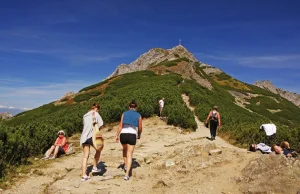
[{"x": 48, "y": 48}]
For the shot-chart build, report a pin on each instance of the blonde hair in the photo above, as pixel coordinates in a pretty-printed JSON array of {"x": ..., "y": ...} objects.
[{"x": 285, "y": 144}]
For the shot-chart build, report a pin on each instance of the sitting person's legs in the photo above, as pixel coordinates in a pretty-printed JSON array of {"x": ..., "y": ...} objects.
[{"x": 49, "y": 152}]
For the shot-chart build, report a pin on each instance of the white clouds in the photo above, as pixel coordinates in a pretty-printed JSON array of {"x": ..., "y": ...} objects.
[
  {"x": 263, "y": 61},
  {"x": 11, "y": 107},
  {"x": 37, "y": 95}
]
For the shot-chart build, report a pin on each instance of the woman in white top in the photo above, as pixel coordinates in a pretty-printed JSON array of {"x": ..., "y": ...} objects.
[{"x": 86, "y": 139}]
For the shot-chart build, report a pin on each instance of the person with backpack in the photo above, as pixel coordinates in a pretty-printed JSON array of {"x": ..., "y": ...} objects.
[{"x": 214, "y": 121}]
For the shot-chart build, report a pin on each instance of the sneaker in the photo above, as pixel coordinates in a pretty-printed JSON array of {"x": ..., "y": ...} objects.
[
  {"x": 126, "y": 178},
  {"x": 46, "y": 158},
  {"x": 53, "y": 157},
  {"x": 85, "y": 178},
  {"x": 96, "y": 169}
]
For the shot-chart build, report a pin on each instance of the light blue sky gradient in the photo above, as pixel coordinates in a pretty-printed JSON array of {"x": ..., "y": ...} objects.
[{"x": 48, "y": 48}]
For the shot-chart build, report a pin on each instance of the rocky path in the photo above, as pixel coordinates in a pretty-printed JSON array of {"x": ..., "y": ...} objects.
[{"x": 165, "y": 161}]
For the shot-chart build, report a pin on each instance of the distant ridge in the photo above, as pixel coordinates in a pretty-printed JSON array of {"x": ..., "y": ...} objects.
[
  {"x": 291, "y": 96},
  {"x": 5, "y": 115}
]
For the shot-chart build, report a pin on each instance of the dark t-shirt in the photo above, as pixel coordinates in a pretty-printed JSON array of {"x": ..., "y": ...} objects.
[{"x": 288, "y": 151}]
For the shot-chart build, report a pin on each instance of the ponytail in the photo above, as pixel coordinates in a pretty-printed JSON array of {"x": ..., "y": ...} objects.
[
  {"x": 133, "y": 104},
  {"x": 95, "y": 105}
]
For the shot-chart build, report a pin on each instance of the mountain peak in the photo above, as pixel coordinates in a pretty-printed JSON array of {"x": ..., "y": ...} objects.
[{"x": 152, "y": 57}]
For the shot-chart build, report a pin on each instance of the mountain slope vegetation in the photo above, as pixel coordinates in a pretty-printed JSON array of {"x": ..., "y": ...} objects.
[{"x": 32, "y": 132}]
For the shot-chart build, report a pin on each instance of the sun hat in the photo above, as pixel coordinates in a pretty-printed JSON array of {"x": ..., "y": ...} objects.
[{"x": 60, "y": 131}]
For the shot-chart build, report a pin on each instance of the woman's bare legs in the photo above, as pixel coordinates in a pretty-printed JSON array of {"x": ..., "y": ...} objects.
[
  {"x": 125, "y": 154},
  {"x": 86, "y": 153},
  {"x": 129, "y": 149},
  {"x": 49, "y": 152},
  {"x": 97, "y": 157},
  {"x": 56, "y": 151}
]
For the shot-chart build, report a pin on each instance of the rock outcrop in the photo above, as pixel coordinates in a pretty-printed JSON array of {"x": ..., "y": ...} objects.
[
  {"x": 6, "y": 115},
  {"x": 291, "y": 96},
  {"x": 153, "y": 57}
]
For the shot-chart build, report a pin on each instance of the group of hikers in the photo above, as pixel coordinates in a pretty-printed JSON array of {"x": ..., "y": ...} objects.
[
  {"x": 129, "y": 130},
  {"x": 282, "y": 148}
]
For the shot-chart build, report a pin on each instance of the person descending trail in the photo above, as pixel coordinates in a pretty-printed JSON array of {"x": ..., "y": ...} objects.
[
  {"x": 86, "y": 139},
  {"x": 127, "y": 135},
  {"x": 214, "y": 119}
]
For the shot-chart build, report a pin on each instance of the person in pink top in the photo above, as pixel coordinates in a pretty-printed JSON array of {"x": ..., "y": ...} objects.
[{"x": 60, "y": 146}]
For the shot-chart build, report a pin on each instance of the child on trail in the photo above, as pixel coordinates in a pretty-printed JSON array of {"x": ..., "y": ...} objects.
[
  {"x": 86, "y": 139},
  {"x": 214, "y": 119},
  {"x": 127, "y": 134},
  {"x": 59, "y": 147}
]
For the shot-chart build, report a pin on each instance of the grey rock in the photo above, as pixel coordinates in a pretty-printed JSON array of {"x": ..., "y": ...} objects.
[
  {"x": 169, "y": 163},
  {"x": 215, "y": 152},
  {"x": 148, "y": 160}
]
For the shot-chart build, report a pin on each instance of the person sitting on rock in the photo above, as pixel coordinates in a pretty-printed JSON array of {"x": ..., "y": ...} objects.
[
  {"x": 59, "y": 147},
  {"x": 287, "y": 152},
  {"x": 265, "y": 149}
]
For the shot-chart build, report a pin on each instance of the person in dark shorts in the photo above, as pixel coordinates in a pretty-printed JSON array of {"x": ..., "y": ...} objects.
[
  {"x": 86, "y": 139},
  {"x": 214, "y": 119},
  {"x": 59, "y": 147},
  {"x": 130, "y": 129}
]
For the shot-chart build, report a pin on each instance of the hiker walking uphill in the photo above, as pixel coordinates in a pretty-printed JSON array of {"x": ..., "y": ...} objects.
[
  {"x": 86, "y": 139},
  {"x": 127, "y": 134},
  {"x": 214, "y": 119}
]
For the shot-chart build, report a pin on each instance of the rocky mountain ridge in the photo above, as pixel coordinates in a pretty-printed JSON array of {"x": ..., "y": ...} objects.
[
  {"x": 153, "y": 57},
  {"x": 291, "y": 96},
  {"x": 6, "y": 115}
]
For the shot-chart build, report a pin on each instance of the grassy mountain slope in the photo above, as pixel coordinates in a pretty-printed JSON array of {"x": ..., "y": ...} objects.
[{"x": 32, "y": 132}]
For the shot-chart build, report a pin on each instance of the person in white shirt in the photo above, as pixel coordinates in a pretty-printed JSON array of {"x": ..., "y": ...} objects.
[
  {"x": 265, "y": 149},
  {"x": 270, "y": 130},
  {"x": 161, "y": 105}
]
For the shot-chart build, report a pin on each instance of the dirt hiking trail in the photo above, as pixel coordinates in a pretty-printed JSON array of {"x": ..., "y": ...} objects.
[{"x": 165, "y": 161}]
